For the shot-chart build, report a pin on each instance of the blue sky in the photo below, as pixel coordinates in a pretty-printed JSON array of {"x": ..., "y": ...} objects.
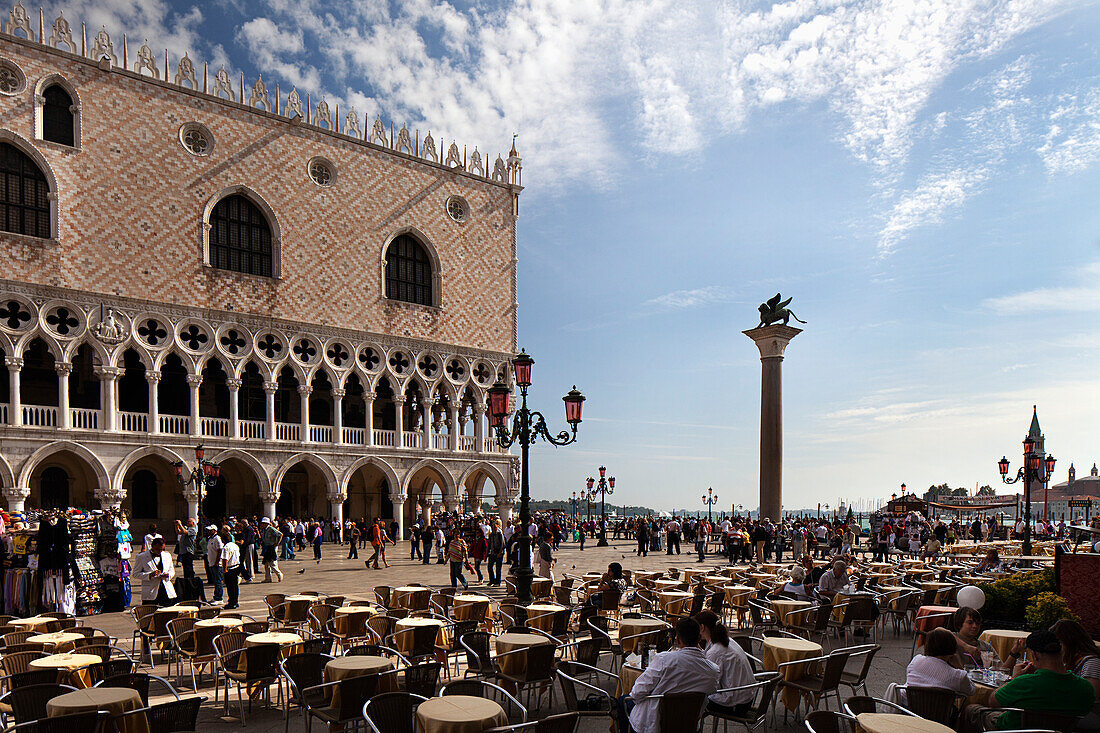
[{"x": 921, "y": 176}]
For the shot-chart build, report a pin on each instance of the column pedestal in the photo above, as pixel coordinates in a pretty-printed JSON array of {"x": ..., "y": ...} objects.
[
  {"x": 399, "y": 515},
  {"x": 772, "y": 342}
]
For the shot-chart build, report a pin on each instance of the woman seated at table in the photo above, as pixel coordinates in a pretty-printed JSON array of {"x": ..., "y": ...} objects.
[
  {"x": 796, "y": 588},
  {"x": 967, "y": 627},
  {"x": 990, "y": 563},
  {"x": 733, "y": 665},
  {"x": 611, "y": 580},
  {"x": 938, "y": 664},
  {"x": 1082, "y": 657}
]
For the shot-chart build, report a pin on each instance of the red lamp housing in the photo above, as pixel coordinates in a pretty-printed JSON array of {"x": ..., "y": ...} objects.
[
  {"x": 1049, "y": 465},
  {"x": 1033, "y": 461},
  {"x": 1002, "y": 466},
  {"x": 590, "y": 482},
  {"x": 522, "y": 366},
  {"x": 498, "y": 404},
  {"x": 611, "y": 482},
  {"x": 199, "y": 452},
  {"x": 1029, "y": 445},
  {"x": 178, "y": 466},
  {"x": 603, "y": 471},
  {"x": 893, "y": 497},
  {"x": 574, "y": 404}
]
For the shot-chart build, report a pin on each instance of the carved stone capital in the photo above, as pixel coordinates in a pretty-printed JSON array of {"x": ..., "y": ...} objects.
[
  {"x": 772, "y": 340},
  {"x": 305, "y": 390},
  {"x": 336, "y": 497},
  {"x": 479, "y": 409},
  {"x": 338, "y": 394},
  {"x": 271, "y": 387},
  {"x": 152, "y": 377},
  {"x": 234, "y": 384},
  {"x": 194, "y": 379},
  {"x": 399, "y": 399},
  {"x": 13, "y": 362},
  {"x": 108, "y": 374},
  {"x": 63, "y": 368},
  {"x": 191, "y": 492},
  {"x": 110, "y": 498},
  {"x": 16, "y": 492},
  {"x": 269, "y": 497}
]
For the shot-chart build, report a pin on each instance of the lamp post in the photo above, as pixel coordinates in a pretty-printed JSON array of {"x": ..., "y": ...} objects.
[
  {"x": 573, "y": 504},
  {"x": 606, "y": 486},
  {"x": 588, "y": 498},
  {"x": 527, "y": 426},
  {"x": 1036, "y": 468},
  {"x": 710, "y": 499},
  {"x": 205, "y": 473}
]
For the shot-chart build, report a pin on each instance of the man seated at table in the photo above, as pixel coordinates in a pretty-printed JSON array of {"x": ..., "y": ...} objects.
[
  {"x": 1043, "y": 685},
  {"x": 611, "y": 580},
  {"x": 684, "y": 669},
  {"x": 833, "y": 581}
]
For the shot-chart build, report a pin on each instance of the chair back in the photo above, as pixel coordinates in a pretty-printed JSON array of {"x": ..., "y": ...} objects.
[
  {"x": 423, "y": 678},
  {"x": 32, "y": 677},
  {"x": 609, "y": 600},
  {"x": 423, "y": 640},
  {"x": 560, "y": 723},
  {"x": 478, "y": 654},
  {"x": 304, "y": 670},
  {"x": 175, "y": 715},
  {"x": 1061, "y": 722},
  {"x": 103, "y": 651},
  {"x": 382, "y": 625},
  {"x": 677, "y": 710},
  {"x": 354, "y": 691},
  {"x": 932, "y": 703},
  {"x": 319, "y": 614},
  {"x": 91, "y": 721},
  {"x": 826, "y": 721},
  {"x": 833, "y": 670},
  {"x": 392, "y": 712},
  {"x": 759, "y": 711},
  {"x": 136, "y": 681},
  {"x": 539, "y": 664},
  {"x": 717, "y": 602},
  {"x": 382, "y": 595},
  {"x": 16, "y": 662},
  {"x": 101, "y": 671},
  {"x": 559, "y": 626},
  {"x": 859, "y": 704},
  {"x": 262, "y": 661},
  {"x": 29, "y": 703},
  {"x": 17, "y": 637},
  {"x": 228, "y": 642},
  {"x": 273, "y": 601}
]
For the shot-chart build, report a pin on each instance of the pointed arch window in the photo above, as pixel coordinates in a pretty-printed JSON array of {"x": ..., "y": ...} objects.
[
  {"x": 409, "y": 272},
  {"x": 58, "y": 117},
  {"x": 240, "y": 237},
  {"x": 24, "y": 194}
]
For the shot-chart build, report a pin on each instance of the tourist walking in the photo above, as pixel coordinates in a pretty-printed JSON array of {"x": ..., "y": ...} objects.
[
  {"x": 440, "y": 539},
  {"x": 457, "y": 555},
  {"x": 414, "y": 541},
  {"x": 495, "y": 552},
  {"x": 477, "y": 552},
  {"x": 642, "y": 535},
  {"x": 231, "y": 567},
  {"x": 317, "y": 536},
  {"x": 185, "y": 546},
  {"x": 546, "y": 557},
  {"x": 246, "y": 535},
  {"x": 213, "y": 560},
  {"x": 426, "y": 536},
  {"x": 353, "y": 541},
  {"x": 270, "y": 538}
]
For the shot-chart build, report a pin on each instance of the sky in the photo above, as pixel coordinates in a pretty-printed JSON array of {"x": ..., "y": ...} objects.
[{"x": 923, "y": 177}]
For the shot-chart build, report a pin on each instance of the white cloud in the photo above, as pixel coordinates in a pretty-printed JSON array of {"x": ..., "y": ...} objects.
[
  {"x": 680, "y": 299},
  {"x": 1082, "y": 295},
  {"x": 1072, "y": 141}
]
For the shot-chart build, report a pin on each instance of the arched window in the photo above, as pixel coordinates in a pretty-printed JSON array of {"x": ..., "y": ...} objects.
[
  {"x": 408, "y": 272},
  {"x": 24, "y": 194},
  {"x": 143, "y": 495},
  {"x": 58, "y": 123},
  {"x": 240, "y": 237}
]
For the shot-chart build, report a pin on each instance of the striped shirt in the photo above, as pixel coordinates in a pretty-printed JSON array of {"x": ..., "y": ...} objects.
[{"x": 934, "y": 672}]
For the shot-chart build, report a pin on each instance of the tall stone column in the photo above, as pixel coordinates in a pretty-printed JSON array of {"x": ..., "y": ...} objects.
[
  {"x": 399, "y": 428},
  {"x": 772, "y": 342},
  {"x": 270, "y": 388},
  {"x": 305, "y": 390},
  {"x": 426, "y": 407},
  {"x": 194, "y": 381},
  {"x": 15, "y": 406},
  {"x": 336, "y": 502},
  {"x": 338, "y": 416},
  {"x": 234, "y": 386},
  {"x": 63, "y": 369},
  {"x": 398, "y": 502},
  {"x": 368, "y": 418},
  {"x": 269, "y": 504},
  {"x": 153, "y": 378},
  {"x": 16, "y": 496},
  {"x": 479, "y": 427},
  {"x": 108, "y": 377},
  {"x": 191, "y": 494},
  {"x": 505, "y": 507}
]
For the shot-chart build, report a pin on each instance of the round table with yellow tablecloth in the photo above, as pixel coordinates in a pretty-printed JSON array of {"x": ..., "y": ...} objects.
[
  {"x": 459, "y": 714},
  {"x": 715, "y": 580},
  {"x": 179, "y": 610},
  {"x": 779, "y": 649},
  {"x": 209, "y": 628},
  {"x": 404, "y": 641},
  {"x": 673, "y": 600},
  {"x": 628, "y": 675},
  {"x": 472, "y": 607},
  {"x": 66, "y": 664},
  {"x": 1002, "y": 641},
  {"x": 57, "y": 641},
  {"x": 667, "y": 584},
  {"x": 738, "y": 595},
  {"x": 541, "y": 587},
  {"x": 783, "y": 606},
  {"x": 353, "y": 617},
  {"x": 541, "y": 615},
  {"x": 112, "y": 700},
  {"x": 412, "y": 597},
  {"x": 632, "y": 631},
  {"x": 898, "y": 723},
  {"x": 32, "y": 623},
  {"x": 511, "y": 641},
  {"x": 342, "y": 668},
  {"x": 891, "y": 592}
]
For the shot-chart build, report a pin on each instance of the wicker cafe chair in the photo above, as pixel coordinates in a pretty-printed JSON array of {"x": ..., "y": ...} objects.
[
  {"x": 537, "y": 673},
  {"x": 479, "y": 658},
  {"x": 515, "y": 710},
  {"x": 675, "y": 710},
  {"x": 589, "y": 699},
  {"x": 819, "y": 684},
  {"x": 303, "y": 672},
  {"x": 139, "y": 683},
  {"x": 863, "y": 704},
  {"x": 757, "y": 715},
  {"x": 392, "y": 712},
  {"x": 178, "y": 716},
  {"x": 29, "y": 703},
  {"x": 932, "y": 703},
  {"x": 826, "y": 721},
  {"x": 261, "y": 668},
  {"x": 87, "y": 722},
  {"x": 422, "y": 678},
  {"x": 353, "y": 691}
]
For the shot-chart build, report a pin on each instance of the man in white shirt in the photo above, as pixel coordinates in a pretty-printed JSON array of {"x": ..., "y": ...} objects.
[
  {"x": 685, "y": 669},
  {"x": 231, "y": 566},
  {"x": 213, "y": 560},
  {"x": 833, "y": 581},
  {"x": 156, "y": 571}
]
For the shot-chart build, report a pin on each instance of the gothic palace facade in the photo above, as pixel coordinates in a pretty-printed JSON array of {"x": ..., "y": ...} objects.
[{"x": 191, "y": 259}]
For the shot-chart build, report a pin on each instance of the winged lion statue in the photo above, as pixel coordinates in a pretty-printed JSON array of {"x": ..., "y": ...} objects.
[{"x": 774, "y": 310}]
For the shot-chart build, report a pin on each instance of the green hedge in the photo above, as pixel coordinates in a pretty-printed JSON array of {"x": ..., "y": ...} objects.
[{"x": 1024, "y": 599}]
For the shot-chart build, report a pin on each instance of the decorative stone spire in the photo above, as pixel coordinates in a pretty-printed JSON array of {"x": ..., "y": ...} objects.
[{"x": 1072, "y": 474}]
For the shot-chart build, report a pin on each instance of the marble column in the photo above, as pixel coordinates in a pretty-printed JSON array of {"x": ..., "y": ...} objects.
[
  {"x": 399, "y": 427},
  {"x": 191, "y": 494},
  {"x": 772, "y": 342},
  {"x": 15, "y": 404},
  {"x": 398, "y": 501},
  {"x": 505, "y": 507},
  {"x": 108, "y": 377},
  {"x": 368, "y": 418},
  {"x": 16, "y": 496},
  {"x": 194, "y": 381},
  {"x": 63, "y": 369},
  {"x": 304, "y": 391},
  {"x": 338, "y": 416},
  {"x": 426, "y": 407},
  {"x": 110, "y": 498},
  {"x": 153, "y": 378},
  {"x": 479, "y": 427},
  {"x": 336, "y": 502},
  {"x": 234, "y": 386},
  {"x": 269, "y": 505},
  {"x": 270, "y": 388}
]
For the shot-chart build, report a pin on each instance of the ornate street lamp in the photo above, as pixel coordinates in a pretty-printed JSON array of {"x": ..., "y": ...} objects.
[
  {"x": 205, "y": 473},
  {"x": 573, "y": 503},
  {"x": 710, "y": 499},
  {"x": 527, "y": 426},
  {"x": 1036, "y": 467},
  {"x": 589, "y": 496},
  {"x": 606, "y": 486}
]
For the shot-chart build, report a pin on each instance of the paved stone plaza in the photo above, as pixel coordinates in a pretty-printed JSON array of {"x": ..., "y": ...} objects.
[{"x": 338, "y": 575}]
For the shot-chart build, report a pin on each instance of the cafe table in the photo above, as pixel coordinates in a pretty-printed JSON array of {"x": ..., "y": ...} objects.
[
  {"x": 628, "y": 675},
  {"x": 891, "y": 592},
  {"x": 738, "y": 595},
  {"x": 511, "y": 641},
  {"x": 459, "y": 714},
  {"x": 541, "y": 615},
  {"x": 688, "y": 575},
  {"x": 178, "y": 610},
  {"x": 472, "y": 607},
  {"x": 935, "y": 585},
  {"x": 779, "y": 649},
  {"x": 715, "y": 579},
  {"x": 113, "y": 700},
  {"x": 673, "y": 600},
  {"x": 783, "y": 606},
  {"x": 667, "y": 584},
  {"x": 409, "y": 596},
  {"x": 880, "y": 566},
  {"x": 541, "y": 587},
  {"x": 31, "y": 623},
  {"x": 342, "y": 668},
  {"x": 57, "y": 641},
  {"x": 66, "y": 664},
  {"x": 897, "y": 723},
  {"x": 1002, "y": 641},
  {"x": 404, "y": 642},
  {"x": 635, "y": 630}
]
